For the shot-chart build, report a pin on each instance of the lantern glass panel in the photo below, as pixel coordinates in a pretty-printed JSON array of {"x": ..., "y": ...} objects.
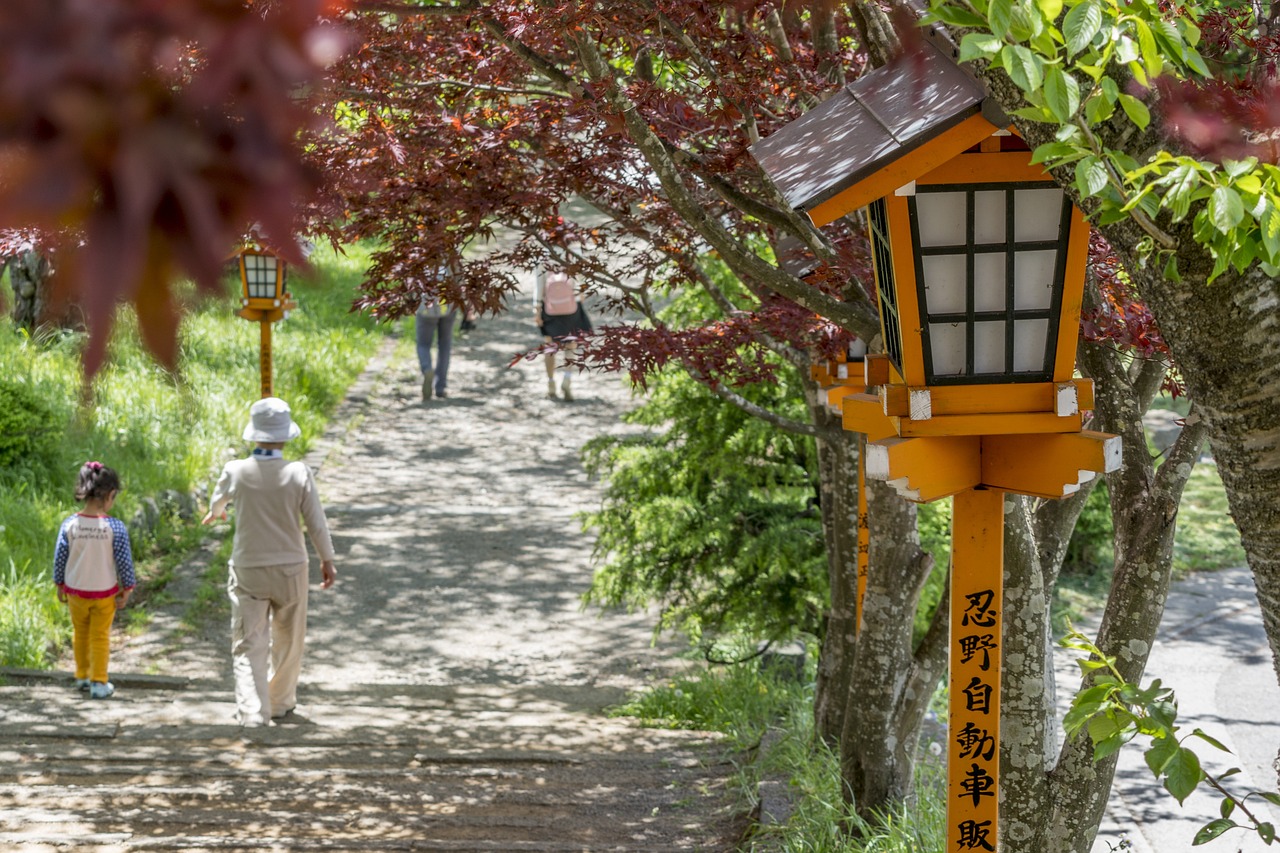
[
  {"x": 1033, "y": 280},
  {"x": 949, "y": 345},
  {"x": 886, "y": 289},
  {"x": 1029, "y": 338},
  {"x": 989, "y": 282},
  {"x": 260, "y": 276},
  {"x": 989, "y": 217},
  {"x": 945, "y": 284},
  {"x": 989, "y": 302},
  {"x": 1039, "y": 215},
  {"x": 988, "y": 347},
  {"x": 942, "y": 219}
]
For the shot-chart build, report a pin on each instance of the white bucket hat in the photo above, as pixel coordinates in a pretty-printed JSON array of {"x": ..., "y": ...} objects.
[{"x": 270, "y": 421}]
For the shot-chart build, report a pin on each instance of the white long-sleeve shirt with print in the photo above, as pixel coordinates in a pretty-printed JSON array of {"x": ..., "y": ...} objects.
[{"x": 93, "y": 557}]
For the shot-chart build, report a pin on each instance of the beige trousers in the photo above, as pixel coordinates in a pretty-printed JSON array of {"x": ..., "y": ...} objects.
[{"x": 268, "y": 631}]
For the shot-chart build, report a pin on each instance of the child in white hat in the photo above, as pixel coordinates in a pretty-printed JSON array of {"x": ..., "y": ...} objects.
[{"x": 268, "y": 568}]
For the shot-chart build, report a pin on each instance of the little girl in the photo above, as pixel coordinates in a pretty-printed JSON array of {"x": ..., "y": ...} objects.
[{"x": 93, "y": 570}]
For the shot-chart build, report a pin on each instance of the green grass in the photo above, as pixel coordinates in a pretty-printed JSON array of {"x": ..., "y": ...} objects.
[
  {"x": 160, "y": 431},
  {"x": 1206, "y": 538},
  {"x": 742, "y": 702}
]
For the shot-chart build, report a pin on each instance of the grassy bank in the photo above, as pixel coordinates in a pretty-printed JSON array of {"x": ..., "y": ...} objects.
[
  {"x": 767, "y": 719},
  {"x": 167, "y": 435}
]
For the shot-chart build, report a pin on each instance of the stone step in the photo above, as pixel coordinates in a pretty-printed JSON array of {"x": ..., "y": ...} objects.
[{"x": 365, "y": 767}]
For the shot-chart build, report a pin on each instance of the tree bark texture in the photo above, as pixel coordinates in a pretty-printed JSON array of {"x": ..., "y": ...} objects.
[
  {"x": 892, "y": 681},
  {"x": 1048, "y": 805},
  {"x": 28, "y": 277},
  {"x": 838, "y": 476},
  {"x": 1224, "y": 339}
]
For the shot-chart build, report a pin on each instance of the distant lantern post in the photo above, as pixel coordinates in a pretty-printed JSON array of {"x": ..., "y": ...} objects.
[
  {"x": 264, "y": 299},
  {"x": 979, "y": 264}
]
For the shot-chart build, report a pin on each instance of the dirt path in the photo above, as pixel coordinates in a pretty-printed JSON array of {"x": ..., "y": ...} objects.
[
  {"x": 460, "y": 557},
  {"x": 453, "y": 689}
]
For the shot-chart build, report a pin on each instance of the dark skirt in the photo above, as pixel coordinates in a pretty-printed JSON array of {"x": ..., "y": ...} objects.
[{"x": 560, "y": 325}]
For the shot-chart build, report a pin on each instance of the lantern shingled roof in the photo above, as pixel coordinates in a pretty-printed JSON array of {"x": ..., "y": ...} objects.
[{"x": 871, "y": 124}]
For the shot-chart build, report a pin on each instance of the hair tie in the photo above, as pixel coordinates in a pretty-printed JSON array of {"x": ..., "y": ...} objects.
[{"x": 95, "y": 467}]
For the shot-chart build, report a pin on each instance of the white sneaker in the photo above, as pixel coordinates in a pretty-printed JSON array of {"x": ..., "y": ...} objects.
[
  {"x": 82, "y": 684},
  {"x": 551, "y": 388},
  {"x": 101, "y": 690},
  {"x": 564, "y": 388}
]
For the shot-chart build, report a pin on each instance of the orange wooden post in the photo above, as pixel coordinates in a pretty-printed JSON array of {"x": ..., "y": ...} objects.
[
  {"x": 973, "y": 731},
  {"x": 864, "y": 529},
  {"x": 264, "y": 355}
]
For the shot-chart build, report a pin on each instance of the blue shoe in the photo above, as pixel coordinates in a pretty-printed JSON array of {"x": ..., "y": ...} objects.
[
  {"x": 101, "y": 690},
  {"x": 82, "y": 684}
]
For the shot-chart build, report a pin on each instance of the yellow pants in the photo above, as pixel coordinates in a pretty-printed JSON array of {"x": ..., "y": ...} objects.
[{"x": 91, "y": 620}]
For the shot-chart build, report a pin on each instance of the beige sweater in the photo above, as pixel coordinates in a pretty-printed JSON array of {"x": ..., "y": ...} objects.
[{"x": 272, "y": 497}]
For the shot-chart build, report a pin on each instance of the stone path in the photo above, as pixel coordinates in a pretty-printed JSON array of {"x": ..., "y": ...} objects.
[{"x": 453, "y": 690}]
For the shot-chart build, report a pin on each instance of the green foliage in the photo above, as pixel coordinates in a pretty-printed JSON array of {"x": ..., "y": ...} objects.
[
  {"x": 1206, "y": 538},
  {"x": 1113, "y": 712},
  {"x": 710, "y": 514},
  {"x": 743, "y": 702},
  {"x": 24, "y": 422},
  {"x": 159, "y": 431},
  {"x": 737, "y": 700},
  {"x": 1091, "y": 549},
  {"x": 1072, "y": 69}
]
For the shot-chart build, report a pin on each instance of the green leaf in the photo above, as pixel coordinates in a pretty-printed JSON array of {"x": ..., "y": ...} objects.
[
  {"x": 1050, "y": 9},
  {"x": 1139, "y": 73},
  {"x": 1126, "y": 50},
  {"x": 1183, "y": 774},
  {"x": 1024, "y": 67},
  {"x": 1267, "y": 832},
  {"x": 1091, "y": 176},
  {"x": 1269, "y": 796},
  {"x": 1136, "y": 111},
  {"x": 979, "y": 46},
  {"x": 1236, "y": 168},
  {"x": 957, "y": 16},
  {"x": 1040, "y": 114},
  {"x": 1152, "y": 61},
  {"x": 1212, "y": 741},
  {"x": 1227, "y": 807},
  {"x": 1110, "y": 745},
  {"x": 1161, "y": 752},
  {"x": 1171, "y": 269},
  {"x": 1109, "y": 88},
  {"x": 1082, "y": 24},
  {"x": 1233, "y": 771},
  {"x": 999, "y": 17},
  {"x": 1062, "y": 93},
  {"x": 1212, "y": 830},
  {"x": 1098, "y": 109},
  {"x": 1226, "y": 210}
]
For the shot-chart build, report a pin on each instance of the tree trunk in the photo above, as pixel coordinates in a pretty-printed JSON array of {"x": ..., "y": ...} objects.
[
  {"x": 838, "y": 474},
  {"x": 1048, "y": 805},
  {"x": 28, "y": 276},
  {"x": 892, "y": 681},
  {"x": 1223, "y": 338}
]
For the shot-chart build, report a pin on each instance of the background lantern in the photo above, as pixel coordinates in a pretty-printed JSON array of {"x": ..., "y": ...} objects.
[
  {"x": 264, "y": 299},
  {"x": 979, "y": 264}
]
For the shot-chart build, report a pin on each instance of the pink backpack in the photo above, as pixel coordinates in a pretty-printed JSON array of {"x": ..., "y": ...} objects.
[{"x": 559, "y": 296}]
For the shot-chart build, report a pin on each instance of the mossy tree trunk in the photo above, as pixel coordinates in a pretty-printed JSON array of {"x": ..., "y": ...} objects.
[{"x": 1055, "y": 800}]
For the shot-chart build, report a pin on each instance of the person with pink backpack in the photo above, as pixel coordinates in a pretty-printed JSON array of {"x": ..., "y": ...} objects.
[{"x": 559, "y": 313}]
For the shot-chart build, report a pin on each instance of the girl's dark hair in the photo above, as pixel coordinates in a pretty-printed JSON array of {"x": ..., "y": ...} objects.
[{"x": 96, "y": 481}]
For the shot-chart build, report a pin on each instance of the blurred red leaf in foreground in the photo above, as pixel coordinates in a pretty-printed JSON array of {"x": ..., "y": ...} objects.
[{"x": 156, "y": 132}]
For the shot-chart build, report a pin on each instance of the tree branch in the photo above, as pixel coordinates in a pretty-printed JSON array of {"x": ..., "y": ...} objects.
[
  {"x": 767, "y": 415},
  {"x": 859, "y": 319}
]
